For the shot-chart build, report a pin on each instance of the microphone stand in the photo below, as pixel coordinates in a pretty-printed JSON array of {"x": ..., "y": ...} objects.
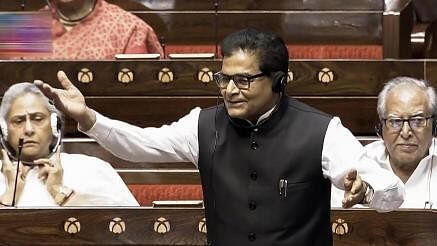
[
  {"x": 20, "y": 147},
  {"x": 216, "y": 6},
  {"x": 162, "y": 41}
]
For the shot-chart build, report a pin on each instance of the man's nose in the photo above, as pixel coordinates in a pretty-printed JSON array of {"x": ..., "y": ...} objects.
[
  {"x": 406, "y": 129},
  {"x": 232, "y": 87}
]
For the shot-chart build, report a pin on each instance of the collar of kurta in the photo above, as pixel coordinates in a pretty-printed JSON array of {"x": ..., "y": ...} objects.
[{"x": 267, "y": 121}]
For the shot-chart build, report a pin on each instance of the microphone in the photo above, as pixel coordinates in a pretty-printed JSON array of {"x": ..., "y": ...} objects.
[
  {"x": 20, "y": 147},
  {"x": 162, "y": 41}
]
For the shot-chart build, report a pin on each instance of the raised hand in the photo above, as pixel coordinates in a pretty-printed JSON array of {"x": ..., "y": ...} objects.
[
  {"x": 354, "y": 189},
  {"x": 69, "y": 100},
  {"x": 51, "y": 172},
  {"x": 10, "y": 171}
]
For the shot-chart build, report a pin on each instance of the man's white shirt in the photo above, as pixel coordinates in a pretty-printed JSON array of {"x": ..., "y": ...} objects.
[
  {"x": 421, "y": 187},
  {"x": 178, "y": 142}
]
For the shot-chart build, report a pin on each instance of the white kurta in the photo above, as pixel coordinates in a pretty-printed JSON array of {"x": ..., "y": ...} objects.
[
  {"x": 178, "y": 142},
  {"x": 421, "y": 187},
  {"x": 94, "y": 181}
]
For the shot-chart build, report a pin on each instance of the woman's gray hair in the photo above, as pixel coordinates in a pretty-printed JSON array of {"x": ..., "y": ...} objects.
[
  {"x": 394, "y": 83},
  {"x": 18, "y": 90}
]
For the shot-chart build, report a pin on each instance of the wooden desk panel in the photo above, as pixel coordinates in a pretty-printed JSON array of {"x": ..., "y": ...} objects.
[
  {"x": 46, "y": 227},
  {"x": 350, "y": 77},
  {"x": 351, "y": 94}
]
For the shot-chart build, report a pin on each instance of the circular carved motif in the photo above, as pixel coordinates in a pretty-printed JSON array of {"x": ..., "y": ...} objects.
[
  {"x": 340, "y": 227},
  {"x": 165, "y": 75},
  {"x": 85, "y": 76},
  {"x": 205, "y": 75},
  {"x": 202, "y": 226},
  {"x": 161, "y": 225},
  {"x": 117, "y": 225},
  {"x": 72, "y": 225},
  {"x": 326, "y": 75},
  {"x": 125, "y": 76}
]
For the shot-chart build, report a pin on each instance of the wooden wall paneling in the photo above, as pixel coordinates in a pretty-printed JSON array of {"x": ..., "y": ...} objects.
[
  {"x": 90, "y": 147},
  {"x": 431, "y": 72},
  {"x": 20, "y": 5},
  {"x": 295, "y": 27},
  {"x": 357, "y": 113},
  {"x": 305, "y": 27},
  {"x": 147, "y": 173},
  {"x": 248, "y": 5},
  {"x": 181, "y": 27},
  {"x": 398, "y": 24},
  {"x": 300, "y": 5}
]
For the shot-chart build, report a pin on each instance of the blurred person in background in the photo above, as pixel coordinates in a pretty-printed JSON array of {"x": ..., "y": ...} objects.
[{"x": 95, "y": 29}]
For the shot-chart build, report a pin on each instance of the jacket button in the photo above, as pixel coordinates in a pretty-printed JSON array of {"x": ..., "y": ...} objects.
[
  {"x": 252, "y": 205},
  {"x": 254, "y": 146},
  {"x": 254, "y": 175},
  {"x": 251, "y": 237}
]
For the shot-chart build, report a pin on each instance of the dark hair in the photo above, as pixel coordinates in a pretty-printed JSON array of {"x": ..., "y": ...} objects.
[{"x": 268, "y": 47}]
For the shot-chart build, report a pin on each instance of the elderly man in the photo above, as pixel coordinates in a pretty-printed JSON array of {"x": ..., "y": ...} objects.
[
  {"x": 266, "y": 160},
  {"x": 406, "y": 110},
  {"x": 46, "y": 176}
]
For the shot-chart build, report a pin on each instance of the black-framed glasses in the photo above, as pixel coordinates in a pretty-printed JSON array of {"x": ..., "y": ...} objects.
[
  {"x": 416, "y": 123},
  {"x": 241, "y": 81}
]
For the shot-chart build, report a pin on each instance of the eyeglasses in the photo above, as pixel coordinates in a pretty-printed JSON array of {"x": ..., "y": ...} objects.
[
  {"x": 241, "y": 81},
  {"x": 415, "y": 123}
]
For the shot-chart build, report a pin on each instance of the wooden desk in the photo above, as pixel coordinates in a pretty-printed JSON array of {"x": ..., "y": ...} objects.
[{"x": 147, "y": 226}]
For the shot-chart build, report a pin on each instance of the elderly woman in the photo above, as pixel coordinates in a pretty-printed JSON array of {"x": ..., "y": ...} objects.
[{"x": 47, "y": 177}]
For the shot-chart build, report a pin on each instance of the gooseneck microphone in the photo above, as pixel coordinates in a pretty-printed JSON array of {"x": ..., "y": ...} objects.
[{"x": 20, "y": 147}]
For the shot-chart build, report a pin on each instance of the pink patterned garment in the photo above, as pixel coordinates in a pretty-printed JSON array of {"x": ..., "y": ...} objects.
[{"x": 107, "y": 31}]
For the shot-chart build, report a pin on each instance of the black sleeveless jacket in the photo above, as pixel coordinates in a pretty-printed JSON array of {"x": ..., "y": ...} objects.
[{"x": 241, "y": 167}]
